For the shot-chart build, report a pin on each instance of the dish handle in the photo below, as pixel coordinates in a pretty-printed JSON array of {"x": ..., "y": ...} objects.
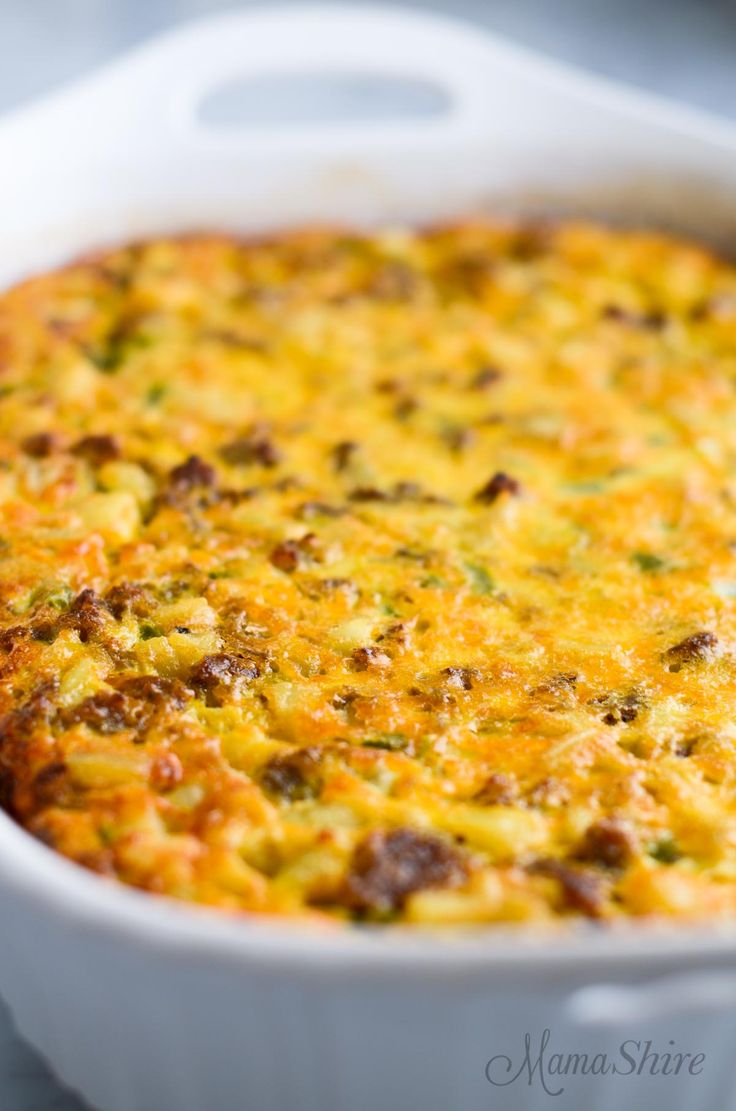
[
  {"x": 489, "y": 90},
  {"x": 669, "y": 997},
  {"x": 158, "y": 89}
]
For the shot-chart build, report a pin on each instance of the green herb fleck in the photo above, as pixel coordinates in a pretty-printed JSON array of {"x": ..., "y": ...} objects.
[
  {"x": 108, "y": 355},
  {"x": 480, "y": 579},
  {"x": 57, "y": 595},
  {"x": 391, "y": 742},
  {"x": 61, "y": 597},
  {"x": 149, "y": 631},
  {"x": 156, "y": 393},
  {"x": 665, "y": 850},
  {"x": 432, "y": 580},
  {"x": 490, "y": 726},
  {"x": 647, "y": 561}
]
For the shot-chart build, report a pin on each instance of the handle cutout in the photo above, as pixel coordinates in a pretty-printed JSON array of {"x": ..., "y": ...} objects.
[{"x": 286, "y": 99}]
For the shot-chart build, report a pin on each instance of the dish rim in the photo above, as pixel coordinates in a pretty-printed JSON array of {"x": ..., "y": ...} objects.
[{"x": 94, "y": 903}]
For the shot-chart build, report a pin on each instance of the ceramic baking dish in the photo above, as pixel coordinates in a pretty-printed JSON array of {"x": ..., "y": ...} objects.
[{"x": 142, "y": 1005}]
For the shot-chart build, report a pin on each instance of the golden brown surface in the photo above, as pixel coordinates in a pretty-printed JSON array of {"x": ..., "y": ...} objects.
[{"x": 385, "y": 578}]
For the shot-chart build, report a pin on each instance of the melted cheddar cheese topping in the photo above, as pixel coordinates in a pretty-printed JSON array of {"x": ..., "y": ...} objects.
[{"x": 382, "y": 577}]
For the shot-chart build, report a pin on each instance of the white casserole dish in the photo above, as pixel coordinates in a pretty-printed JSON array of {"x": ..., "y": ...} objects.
[{"x": 142, "y": 1005}]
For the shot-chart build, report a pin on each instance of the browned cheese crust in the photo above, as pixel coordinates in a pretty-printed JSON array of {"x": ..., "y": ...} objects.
[{"x": 377, "y": 577}]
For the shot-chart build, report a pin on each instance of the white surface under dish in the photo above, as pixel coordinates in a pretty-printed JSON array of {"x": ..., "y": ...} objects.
[{"x": 142, "y": 1005}]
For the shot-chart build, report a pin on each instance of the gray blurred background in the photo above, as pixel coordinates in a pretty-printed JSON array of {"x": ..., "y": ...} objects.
[{"x": 682, "y": 48}]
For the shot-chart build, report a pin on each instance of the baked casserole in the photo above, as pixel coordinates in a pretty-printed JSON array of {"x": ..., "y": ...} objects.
[{"x": 377, "y": 577}]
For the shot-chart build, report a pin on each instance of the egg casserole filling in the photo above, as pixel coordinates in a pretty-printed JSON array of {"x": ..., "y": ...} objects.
[{"x": 381, "y": 577}]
